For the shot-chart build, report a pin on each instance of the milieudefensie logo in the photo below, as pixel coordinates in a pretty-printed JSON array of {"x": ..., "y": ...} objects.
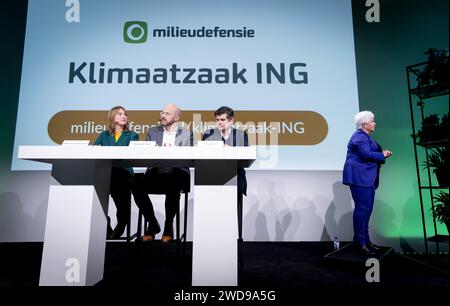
[{"x": 135, "y": 32}]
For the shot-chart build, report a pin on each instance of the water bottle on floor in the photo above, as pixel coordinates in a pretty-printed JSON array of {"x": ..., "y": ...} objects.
[{"x": 336, "y": 243}]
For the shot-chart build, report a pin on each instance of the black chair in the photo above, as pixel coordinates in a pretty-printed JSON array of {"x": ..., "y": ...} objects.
[
  {"x": 138, "y": 233},
  {"x": 156, "y": 189},
  {"x": 177, "y": 237}
]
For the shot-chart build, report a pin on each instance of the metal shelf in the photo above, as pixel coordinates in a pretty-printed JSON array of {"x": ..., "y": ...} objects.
[
  {"x": 439, "y": 238},
  {"x": 434, "y": 143},
  {"x": 418, "y": 95},
  {"x": 430, "y": 91},
  {"x": 434, "y": 187}
]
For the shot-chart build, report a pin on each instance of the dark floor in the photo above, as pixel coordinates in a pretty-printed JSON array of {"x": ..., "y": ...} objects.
[{"x": 267, "y": 265}]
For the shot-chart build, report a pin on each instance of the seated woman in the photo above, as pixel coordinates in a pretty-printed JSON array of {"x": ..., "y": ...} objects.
[{"x": 122, "y": 179}]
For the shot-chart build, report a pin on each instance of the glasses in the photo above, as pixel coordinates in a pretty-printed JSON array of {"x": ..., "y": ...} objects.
[{"x": 165, "y": 113}]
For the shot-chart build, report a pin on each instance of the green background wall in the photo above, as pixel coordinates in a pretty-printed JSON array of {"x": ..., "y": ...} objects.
[{"x": 383, "y": 50}]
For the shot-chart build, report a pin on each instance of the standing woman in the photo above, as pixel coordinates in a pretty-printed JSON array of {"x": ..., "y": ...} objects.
[
  {"x": 361, "y": 173},
  {"x": 122, "y": 179}
]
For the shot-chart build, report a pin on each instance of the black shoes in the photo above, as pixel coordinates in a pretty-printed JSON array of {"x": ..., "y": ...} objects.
[
  {"x": 363, "y": 249},
  {"x": 373, "y": 247},
  {"x": 117, "y": 232}
]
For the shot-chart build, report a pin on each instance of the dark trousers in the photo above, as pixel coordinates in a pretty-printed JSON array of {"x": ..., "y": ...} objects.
[
  {"x": 121, "y": 185},
  {"x": 168, "y": 181},
  {"x": 240, "y": 199},
  {"x": 364, "y": 198}
]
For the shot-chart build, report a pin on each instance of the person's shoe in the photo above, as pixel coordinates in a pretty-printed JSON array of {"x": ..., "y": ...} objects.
[
  {"x": 117, "y": 232},
  {"x": 364, "y": 250},
  {"x": 168, "y": 229},
  {"x": 148, "y": 237},
  {"x": 168, "y": 232},
  {"x": 373, "y": 247},
  {"x": 166, "y": 238},
  {"x": 151, "y": 231}
]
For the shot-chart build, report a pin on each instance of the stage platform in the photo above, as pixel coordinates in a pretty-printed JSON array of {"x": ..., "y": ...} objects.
[
  {"x": 266, "y": 265},
  {"x": 349, "y": 254}
]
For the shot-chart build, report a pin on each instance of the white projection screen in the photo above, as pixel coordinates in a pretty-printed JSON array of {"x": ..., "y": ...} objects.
[{"x": 287, "y": 68}]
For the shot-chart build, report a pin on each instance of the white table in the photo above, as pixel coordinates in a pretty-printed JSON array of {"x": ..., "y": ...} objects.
[{"x": 75, "y": 231}]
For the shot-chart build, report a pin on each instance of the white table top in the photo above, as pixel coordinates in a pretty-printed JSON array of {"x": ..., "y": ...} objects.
[{"x": 139, "y": 155}]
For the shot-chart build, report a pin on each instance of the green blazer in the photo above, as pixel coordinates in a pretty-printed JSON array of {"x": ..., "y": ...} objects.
[{"x": 107, "y": 139}]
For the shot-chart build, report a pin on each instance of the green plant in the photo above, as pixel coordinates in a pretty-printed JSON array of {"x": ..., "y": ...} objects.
[
  {"x": 437, "y": 69},
  {"x": 441, "y": 210},
  {"x": 430, "y": 125},
  {"x": 433, "y": 129},
  {"x": 438, "y": 160}
]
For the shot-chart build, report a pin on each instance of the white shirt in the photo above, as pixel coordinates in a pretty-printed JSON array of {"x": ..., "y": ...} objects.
[
  {"x": 169, "y": 139},
  {"x": 226, "y": 135}
]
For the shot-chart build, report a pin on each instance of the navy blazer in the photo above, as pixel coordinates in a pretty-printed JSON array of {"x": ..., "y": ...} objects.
[
  {"x": 238, "y": 138},
  {"x": 363, "y": 161}
]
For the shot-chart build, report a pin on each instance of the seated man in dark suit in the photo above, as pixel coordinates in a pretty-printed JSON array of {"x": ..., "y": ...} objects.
[
  {"x": 169, "y": 180},
  {"x": 231, "y": 137}
]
